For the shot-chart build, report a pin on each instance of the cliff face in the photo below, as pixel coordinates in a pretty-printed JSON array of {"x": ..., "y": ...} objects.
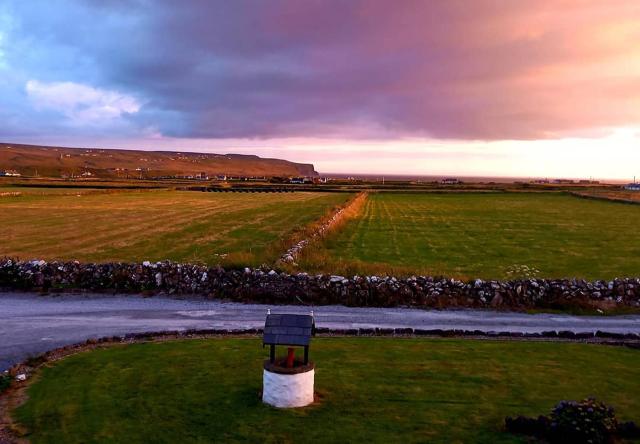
[
  {"x": 57, "y": 161},
  {"x": 306, "y": 169}
]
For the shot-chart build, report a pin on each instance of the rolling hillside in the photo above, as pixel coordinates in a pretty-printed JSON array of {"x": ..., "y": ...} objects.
[{"x": 51, "y": 161}]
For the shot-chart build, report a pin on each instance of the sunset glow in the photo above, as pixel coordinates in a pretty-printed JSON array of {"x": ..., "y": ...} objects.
[{"x": 488, "y": 88}]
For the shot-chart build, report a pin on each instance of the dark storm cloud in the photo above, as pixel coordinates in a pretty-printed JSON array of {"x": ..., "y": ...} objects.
[{"x": 350, "y": 69}]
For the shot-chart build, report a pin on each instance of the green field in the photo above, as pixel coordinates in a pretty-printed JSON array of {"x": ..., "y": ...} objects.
[
  {"x": 227, "y": 228},
  {"x": 42, "y": 191},
  {"x": 473, "y": 235},
  {"x": 370, "y": 390},
  {"x": 464, "y": 235}
]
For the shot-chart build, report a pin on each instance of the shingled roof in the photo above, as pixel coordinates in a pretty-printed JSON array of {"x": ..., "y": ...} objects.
[{"x": 288, "y": 329}]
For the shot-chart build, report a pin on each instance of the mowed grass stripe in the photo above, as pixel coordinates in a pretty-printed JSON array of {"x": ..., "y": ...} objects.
[
  {"x": 134, "y": 226},
  {"x": 99, "y": 214},
  {"x": 482, "y": 235},
  {"x": 76, "y": 218},
  {"x": 185, "y": 216}
]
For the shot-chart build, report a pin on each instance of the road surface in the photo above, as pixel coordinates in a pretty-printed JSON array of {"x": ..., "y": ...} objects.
[{"x": 31, "y": 324}]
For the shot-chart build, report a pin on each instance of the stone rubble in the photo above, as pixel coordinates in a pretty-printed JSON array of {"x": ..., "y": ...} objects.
[{"x": 265, "y": 285}]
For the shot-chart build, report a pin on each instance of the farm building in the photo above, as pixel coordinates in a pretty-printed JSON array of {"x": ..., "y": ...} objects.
[
  {"x": 10, "y": 173},
  {"x": 632, "y": 187},
  {"x": 300, "y": 180},
  {"x": 450, "y": 181}
]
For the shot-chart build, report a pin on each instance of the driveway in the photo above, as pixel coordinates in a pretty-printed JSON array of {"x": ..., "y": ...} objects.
[{"x": 31, "y": 324}]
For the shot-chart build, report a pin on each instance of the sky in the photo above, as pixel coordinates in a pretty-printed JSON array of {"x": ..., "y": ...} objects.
[{"x": 544, "y": 88}]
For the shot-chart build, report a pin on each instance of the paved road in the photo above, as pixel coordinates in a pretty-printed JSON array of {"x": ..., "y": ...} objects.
[{"x": 31, "y": 324}]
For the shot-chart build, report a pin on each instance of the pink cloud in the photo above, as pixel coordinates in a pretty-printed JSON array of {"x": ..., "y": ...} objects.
[{"x": 361, "y": 69}]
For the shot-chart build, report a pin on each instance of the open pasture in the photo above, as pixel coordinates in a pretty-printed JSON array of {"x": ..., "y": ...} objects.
[
  {"x": 7, "y": 191},
  {"x": 368, "y": 390},
  {"x": 472, "y": 235},
  {"x": 227, "y": 228}
]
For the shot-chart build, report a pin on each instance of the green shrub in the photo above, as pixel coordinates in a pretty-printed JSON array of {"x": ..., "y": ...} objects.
[
  {"x": 573, "y": 422},
  {"x": 587, "y": 421},
  {"x": 5, "y": 382}
]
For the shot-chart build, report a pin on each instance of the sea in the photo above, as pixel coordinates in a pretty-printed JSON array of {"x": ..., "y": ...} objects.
[{"x": 468, "y": 179}]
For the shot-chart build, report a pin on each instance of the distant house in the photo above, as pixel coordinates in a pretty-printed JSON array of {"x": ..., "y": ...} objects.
[
  {"x": 10, "y": 173},
  {"x": 450, "y": 181},
  {"x": 301, "y": 180},
  {"x": 632, "y": 187}
]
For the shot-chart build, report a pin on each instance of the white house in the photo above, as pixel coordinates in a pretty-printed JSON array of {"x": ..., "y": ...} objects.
[
  {"x": 10, "y": 173},
  {"x": 632, "y": 187}
]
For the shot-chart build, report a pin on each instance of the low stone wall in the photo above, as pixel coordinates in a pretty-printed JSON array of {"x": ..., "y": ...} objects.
[
  {"x": 294, "y": 251},
  {"x": 269, "y": 286}
]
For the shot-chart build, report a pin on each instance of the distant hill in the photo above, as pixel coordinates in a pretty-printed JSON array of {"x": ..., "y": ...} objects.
[{"x": 52, "y": 161}]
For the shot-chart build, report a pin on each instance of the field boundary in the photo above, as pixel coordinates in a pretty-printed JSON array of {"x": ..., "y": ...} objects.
[
  {"x": 269, "y": 286},
  {"x": 324, "y": 226},
  {"x": 603, "y": 198}
]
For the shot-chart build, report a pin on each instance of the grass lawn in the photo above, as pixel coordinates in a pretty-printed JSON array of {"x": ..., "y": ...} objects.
[
  {"x": 371, "y": 390},
  {"x": 157, "y": 225},
  {"x": 481, "y": 235}
]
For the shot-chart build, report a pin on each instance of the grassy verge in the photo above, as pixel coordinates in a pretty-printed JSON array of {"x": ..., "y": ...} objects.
[{"x": 369, "y": 390}]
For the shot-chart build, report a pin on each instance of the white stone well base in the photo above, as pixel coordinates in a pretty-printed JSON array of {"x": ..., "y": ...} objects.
[{"x": 287, "y": 387}]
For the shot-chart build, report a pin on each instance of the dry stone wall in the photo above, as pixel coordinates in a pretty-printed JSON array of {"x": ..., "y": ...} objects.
[
  {"x": 292, "y": 253},
  {"x": 270, "y": 286}
]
